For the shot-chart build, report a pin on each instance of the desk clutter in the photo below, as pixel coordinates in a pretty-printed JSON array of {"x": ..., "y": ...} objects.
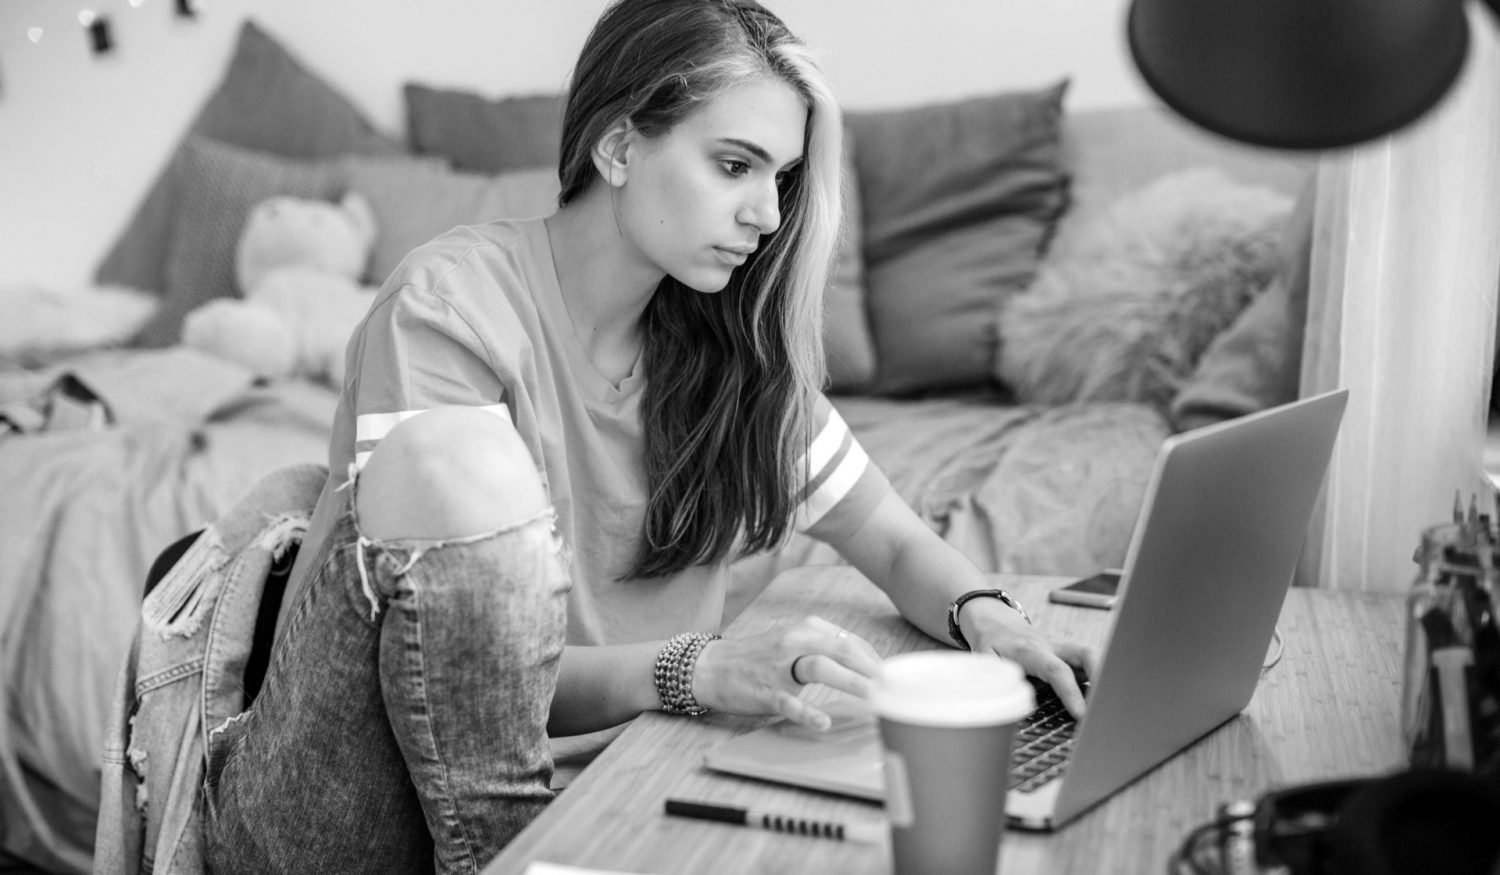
[
  {"x": 1450, "y": 705},
  {"x": 1436, "y": 816}
]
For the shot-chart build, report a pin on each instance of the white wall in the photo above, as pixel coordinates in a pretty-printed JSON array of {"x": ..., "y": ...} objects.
[{"x": 82, "y": 136}]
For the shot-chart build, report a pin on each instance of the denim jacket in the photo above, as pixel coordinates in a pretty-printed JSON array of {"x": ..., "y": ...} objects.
[{"x": 183, "y": 678}]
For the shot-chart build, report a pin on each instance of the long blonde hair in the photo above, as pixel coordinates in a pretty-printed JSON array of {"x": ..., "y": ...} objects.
[{"x": 731, "y": 377}]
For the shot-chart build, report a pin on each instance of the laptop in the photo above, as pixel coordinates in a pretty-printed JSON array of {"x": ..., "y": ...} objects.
[{"x": 1213, "y": 552}]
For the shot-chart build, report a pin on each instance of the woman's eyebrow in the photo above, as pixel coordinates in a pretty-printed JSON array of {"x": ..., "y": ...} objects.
[{"x": 758, "y": 152}]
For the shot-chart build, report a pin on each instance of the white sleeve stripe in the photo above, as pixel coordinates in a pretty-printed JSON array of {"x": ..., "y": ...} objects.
[
  {"x": 826, "y": 445},
  {"x": 374, "y": 426},
  {"x": 816, "y": 478},
  {"x": 835, "y": 487}
]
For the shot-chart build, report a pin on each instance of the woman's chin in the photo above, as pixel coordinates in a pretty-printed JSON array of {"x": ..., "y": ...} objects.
[{"x": 707, "y": 282}]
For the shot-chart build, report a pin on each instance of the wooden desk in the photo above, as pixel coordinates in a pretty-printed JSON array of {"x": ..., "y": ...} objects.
[{"x": 1329, "y": 708}]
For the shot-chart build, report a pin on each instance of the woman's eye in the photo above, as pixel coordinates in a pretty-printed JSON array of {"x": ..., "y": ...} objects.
[{"x": 735, "y": 168}]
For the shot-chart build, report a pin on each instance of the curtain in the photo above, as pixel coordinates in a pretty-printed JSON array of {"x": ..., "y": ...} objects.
[{"x": 1402, "y": 312}]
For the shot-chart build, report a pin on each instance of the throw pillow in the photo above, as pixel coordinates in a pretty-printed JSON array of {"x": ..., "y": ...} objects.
[
  {"x": 267, "y": 100},
  {"x": 217, "y": 187},
  {"x": 476, "y": 133},
  {"x": 1256, "y": 363},
  {"x": 1126, "y": 313},
  {"x": 959, "y": 199},
  {"x": 416, "y": 200}
]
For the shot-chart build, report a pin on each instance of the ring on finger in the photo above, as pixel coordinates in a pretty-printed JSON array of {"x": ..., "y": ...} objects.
[{"x": 796, "y": 680}]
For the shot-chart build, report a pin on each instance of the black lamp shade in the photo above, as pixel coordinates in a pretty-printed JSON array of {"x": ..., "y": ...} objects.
[{"x": 1299, "y": 74}]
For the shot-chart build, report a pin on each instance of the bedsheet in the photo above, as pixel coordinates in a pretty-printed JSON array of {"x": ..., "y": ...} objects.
[{"x": 83, "y": 516}]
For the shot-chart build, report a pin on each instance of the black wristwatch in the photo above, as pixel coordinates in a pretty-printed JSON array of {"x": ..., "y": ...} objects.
[{"x": 956, "y": 633}]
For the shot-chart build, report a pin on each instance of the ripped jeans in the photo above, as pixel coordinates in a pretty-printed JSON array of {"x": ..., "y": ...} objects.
[{"x": 402, "y": 723}]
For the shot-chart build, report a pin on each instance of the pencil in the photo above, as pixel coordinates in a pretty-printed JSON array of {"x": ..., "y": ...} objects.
[{"x": 851, "y": 832}]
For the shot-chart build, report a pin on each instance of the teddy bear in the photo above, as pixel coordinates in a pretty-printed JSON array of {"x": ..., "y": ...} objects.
[{"x": 298, "y": 264}]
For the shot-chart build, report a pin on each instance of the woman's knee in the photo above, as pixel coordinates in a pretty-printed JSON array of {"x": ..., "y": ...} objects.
[{"x": 447, "y": 473}]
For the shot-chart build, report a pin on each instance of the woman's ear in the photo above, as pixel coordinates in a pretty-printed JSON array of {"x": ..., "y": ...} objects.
[{"x": 612, "y": 152}]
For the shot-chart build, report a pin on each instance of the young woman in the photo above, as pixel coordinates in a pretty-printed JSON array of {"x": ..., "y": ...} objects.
[{"x": 555, "y": 436}]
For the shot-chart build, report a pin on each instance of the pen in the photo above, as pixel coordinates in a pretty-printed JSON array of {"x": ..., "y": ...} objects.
[{"x": 853, "y": 832}]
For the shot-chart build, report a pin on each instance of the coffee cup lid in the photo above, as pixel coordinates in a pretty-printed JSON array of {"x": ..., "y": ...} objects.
[{"x": 952, "y": 688}]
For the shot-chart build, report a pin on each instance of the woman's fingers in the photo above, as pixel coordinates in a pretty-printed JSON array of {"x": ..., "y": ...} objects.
[
  {"x": 799, "y": 712},
  {"x": 1079, "y": 656},
  {"x": 820, "y": 669},
  {"x": 761, "y": 672},
  {"x": 835, "y": 657},
  {"x": 1059, "y": 675}
]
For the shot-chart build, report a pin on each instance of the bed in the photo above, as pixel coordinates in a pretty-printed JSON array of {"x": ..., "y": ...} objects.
[{"x": 1026, "y": 302}]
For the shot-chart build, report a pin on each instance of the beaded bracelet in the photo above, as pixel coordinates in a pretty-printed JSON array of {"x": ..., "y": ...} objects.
[{"x": 674, "y": 672}]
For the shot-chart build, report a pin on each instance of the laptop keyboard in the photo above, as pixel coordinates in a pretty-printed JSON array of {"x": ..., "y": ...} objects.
[{"x": 1043, "y": 743}]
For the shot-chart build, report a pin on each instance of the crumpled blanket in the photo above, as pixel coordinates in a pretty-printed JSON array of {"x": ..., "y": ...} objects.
[
  {"x": 85, "y": 512},
  {"x": 1022, "y": 489}
]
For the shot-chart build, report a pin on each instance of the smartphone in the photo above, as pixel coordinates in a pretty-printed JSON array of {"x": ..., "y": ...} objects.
[{"x": 1097, "y": 591}]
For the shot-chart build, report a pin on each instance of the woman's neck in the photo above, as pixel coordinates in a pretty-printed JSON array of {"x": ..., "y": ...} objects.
[{"x": 603, "y": 282}]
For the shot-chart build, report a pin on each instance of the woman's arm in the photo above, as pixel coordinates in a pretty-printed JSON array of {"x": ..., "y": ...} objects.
[
  {"x": 599, "y": 687},
  {"x": 923, "y": 574}
]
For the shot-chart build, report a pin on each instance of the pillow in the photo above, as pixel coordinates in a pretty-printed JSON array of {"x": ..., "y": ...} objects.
[
  {"x": 476, "y": 133},
  {"x": 40, "y": 325},
  {"x": 267, "y": 100},
  {"x": 847, "y": 345},
  {"x": 1256, "y": 363},
  {"x": 416, "y": 200},
  {"x": 1126, "y": 313},
  {"x": 959, "y": 201},
  {"x": 217, "y": 186}
]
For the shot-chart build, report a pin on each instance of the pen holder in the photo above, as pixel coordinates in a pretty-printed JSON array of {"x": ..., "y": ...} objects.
[{"x": 1450, "y": 708}]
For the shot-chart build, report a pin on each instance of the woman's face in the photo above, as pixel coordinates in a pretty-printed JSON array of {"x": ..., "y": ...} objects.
[{"x": 698, "y": 199}]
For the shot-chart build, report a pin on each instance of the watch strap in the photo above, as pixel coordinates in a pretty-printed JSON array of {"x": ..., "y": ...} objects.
[{"x": 1006, "y": 598}]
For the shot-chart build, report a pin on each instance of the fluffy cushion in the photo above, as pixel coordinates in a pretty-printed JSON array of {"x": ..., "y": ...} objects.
[
  {"x": 1125, "y": 314},
  {"x": 959, "y": 201},
  {"x": 217, "y": 187},
  {"x": 476, "y": 133},
  {"x": 416, "y": 200},
  {"x": 1256, "y": 362},
  {"x": 268, "y": 101}
]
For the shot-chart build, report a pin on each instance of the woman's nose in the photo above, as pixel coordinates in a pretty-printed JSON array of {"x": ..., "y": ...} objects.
[{"x": 763, "y": 210}]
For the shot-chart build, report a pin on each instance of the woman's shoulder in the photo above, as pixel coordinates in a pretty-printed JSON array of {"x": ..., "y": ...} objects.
[
  {"x": 488, "y": 250},
  {"x": 483, "y": 270}
]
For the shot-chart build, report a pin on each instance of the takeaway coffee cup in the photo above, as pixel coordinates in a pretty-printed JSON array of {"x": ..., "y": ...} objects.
[{"x": 947, "y": 720}]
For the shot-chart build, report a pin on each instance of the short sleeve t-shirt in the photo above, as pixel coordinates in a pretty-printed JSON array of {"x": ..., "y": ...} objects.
[{"x": 476, "y": 318}]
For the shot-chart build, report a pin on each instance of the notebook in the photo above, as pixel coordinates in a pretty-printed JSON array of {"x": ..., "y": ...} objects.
[{"x": 1213, "y": 552}]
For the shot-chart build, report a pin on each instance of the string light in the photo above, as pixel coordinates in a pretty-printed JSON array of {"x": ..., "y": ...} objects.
[
  {"x": 100, "y": 29},
  {"x": 101, "y": 39}
]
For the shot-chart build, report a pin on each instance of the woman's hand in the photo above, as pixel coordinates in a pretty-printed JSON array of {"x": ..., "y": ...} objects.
[
  {"x": 752, "y": 675},
  {"x": 991, "y": 626}
]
